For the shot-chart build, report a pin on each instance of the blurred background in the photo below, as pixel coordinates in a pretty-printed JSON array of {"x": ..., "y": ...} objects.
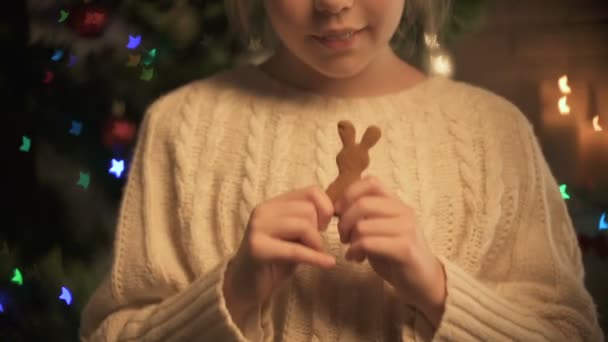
[{"x": 77, "y": 76}]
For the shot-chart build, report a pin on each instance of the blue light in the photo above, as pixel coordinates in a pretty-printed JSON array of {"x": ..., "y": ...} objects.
[
  {"x": 66, "y": 296},
  {"x": 117, "y": 167},
  {"x": 57, "y": 55},
  {"x": 133, "y": 42},
  {"x": 76, "y": 128},
  {"x": 603, "y": 223}
]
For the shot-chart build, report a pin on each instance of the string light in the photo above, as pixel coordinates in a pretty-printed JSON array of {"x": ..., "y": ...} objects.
[
  {"x": 439, "y": 61},
  {"x": 562, "y": 190}
]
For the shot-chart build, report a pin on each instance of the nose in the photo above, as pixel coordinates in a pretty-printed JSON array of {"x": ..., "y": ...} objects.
[{"x": 333, "y": 6}]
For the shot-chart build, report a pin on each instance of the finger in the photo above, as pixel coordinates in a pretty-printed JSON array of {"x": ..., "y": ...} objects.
[
  {"x": 368, "y": 207},
  {"x": 314, "y": 194},
  {"x": 387, "y": 248},
  {"x": 374, "y": 227},
  {"x": 358, "y": 258},
  {"x": 280, "y": 250},
  {"x": 300, "y": 230},
  {"x": 300, "y": 208},
  {"x": 367, "y": 186},
  {"x": 287, "y": 208},
  {"x": 323, "y": 205},
  {"x": 295, "y": 194}
]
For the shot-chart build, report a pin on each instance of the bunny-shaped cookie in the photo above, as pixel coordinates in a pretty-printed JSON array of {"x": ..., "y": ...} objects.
[{"x": 352, "y": 159}]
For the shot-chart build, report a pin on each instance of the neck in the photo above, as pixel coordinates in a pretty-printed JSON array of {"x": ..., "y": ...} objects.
[{"x": 376, "y": 78}]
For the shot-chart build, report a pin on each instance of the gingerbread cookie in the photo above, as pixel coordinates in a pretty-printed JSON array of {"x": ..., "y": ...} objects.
[{"x": 353, "y": 159}]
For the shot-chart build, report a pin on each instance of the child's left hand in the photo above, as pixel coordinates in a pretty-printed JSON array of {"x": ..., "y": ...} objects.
[{"x": 381, "y": 228}]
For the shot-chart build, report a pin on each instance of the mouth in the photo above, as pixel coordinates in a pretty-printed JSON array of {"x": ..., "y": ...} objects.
[
  {"x": 342, "y": 42},
  {"x": 344, "y": 35}
]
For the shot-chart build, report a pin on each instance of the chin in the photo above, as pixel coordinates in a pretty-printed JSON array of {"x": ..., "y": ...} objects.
[{"x": 339, "y": 68}]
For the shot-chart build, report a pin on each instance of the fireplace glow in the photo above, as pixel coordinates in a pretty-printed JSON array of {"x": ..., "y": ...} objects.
[
  {"x": 562, "y": 104},
  {"x": 596, "y": 125},
  {"x": 563, "y": 85}
]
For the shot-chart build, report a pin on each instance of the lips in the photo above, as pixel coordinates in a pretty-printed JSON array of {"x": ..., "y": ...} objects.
[{"x": 338, "y": 32}]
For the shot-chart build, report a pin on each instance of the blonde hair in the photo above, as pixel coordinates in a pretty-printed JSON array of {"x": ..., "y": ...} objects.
[{"x": 247, "y": 20}]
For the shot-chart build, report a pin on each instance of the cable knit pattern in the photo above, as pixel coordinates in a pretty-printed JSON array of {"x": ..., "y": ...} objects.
[
  {"x": 409, "y": 127},
  {"x": 183, "y": 148},
  {"x": 465, "y": 159},
  {"x": 206, "y": 143},
  {"x": 284, "y": 130},
  {"x": 463, "y": 142},
  {"x": 278, "y": 167},
  {"x": 496, "y": 232},
  {"x": 394, "y": 135},
  {"x": 185, "y": 172},
  {"x": 322, "y": 134},
  {"x": 215, "y": 133},
  {"x": 252, "y": 164},
  {"x": 426, "y": 196}
]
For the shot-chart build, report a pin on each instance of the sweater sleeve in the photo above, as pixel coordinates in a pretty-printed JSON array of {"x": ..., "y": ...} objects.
[
  {"x": 543, "y": 296},
  {"x": 150, "y": 293}
]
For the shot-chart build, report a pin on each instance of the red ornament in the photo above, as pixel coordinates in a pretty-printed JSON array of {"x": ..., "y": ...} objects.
[
  {"x": 89, "y": 20},
  {"x": 118, "y": 131}
]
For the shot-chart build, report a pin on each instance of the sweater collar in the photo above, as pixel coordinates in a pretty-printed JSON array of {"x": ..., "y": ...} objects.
[{"x": 267, "y": 85}]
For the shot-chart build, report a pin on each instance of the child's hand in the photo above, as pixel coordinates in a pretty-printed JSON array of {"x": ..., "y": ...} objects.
[
  {"x": 381, "y": 228},
  {"x": 282, "y": 232}
]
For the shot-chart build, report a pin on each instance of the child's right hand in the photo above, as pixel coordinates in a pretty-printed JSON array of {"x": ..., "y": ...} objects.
[{"x": 281, "y": 233}]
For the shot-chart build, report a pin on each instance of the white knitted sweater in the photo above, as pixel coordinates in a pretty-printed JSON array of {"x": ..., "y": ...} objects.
[{"x": 464, "y": 158}]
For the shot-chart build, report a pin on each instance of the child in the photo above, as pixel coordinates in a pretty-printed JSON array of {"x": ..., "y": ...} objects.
[{"x": 226, "y": 233}]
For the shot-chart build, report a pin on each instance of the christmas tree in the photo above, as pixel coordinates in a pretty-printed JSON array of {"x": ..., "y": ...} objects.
[{"x": 80, "y": 75}]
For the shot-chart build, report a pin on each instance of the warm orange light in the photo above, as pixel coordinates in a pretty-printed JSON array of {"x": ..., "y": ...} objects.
[
  {"x": 596, "y": 125},
  {"x": 563, "y": 85},
  {"x": 562, "y": 104}
]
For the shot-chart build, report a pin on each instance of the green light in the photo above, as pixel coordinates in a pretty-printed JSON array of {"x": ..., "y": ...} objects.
[
  {"x": 17, "y": 278},
  {"x": 149, "y": 58},
  {"x": 26, "y": 144},
  {"x": 84, "y": 180},
  {"x": 146, "y": 74},
  {"x": 562, "y": 189}
]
